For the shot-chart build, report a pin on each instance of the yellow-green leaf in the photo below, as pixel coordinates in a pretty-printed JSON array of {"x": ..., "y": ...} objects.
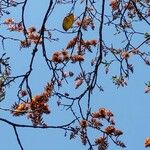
[{"x": 68, "y": 22}]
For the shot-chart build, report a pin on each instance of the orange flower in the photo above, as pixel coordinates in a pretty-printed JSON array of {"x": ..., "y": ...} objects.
[
  {"x": 101, "y": 141},
  {"x": 114, "y": 4},
  {"x": 96, "y": 123},
  {"x": 31, "y": 29},
  {"x": 93, "y": 42},
  {"x": 110, "y": 114},
  {"x": 95, "y": 115},
  {"x": 76, "y": 58},
  {"x": 147, "y": 142},
  {"x": 102, "y": 112},
  {"x": 9, "y": 21},
  {"x": 83, "y": 123},
  {"x": 125, "y": 55},
  {"x": 19, "y": 109},
  {"x": 72, "y": 43},
  {"x": 117, "y": 132},
  {"x": 64, "y": 52},
  {"x": 48, "y": 89},
  {"x": 110, "y": 129},
  {"x": 25, "y": 43}
]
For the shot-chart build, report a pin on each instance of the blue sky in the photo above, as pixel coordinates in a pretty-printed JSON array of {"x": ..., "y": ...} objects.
[{"x": 129, "y": 104}]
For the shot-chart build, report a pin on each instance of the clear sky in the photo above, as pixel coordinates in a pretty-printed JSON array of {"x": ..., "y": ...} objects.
[{"x": 129, "y": 104}]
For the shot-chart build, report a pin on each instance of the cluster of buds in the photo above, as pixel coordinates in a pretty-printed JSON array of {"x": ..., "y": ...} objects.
[
  {"x": 23, "y": 93},
  {"x": 126, "y": 24},
  {"x": 5, "y": 71},
  {"x": 35, "y": 107},
  {"x": 135, "y": 51},
  {"x": 133, "y": 12},
  {"x": 78, "y": 82},
  {"x": 85, "y": 23},
  {"x": 66, "y": 74},
  {"x": 119, "y": 81},
  {"x": 147, "y": 89}
]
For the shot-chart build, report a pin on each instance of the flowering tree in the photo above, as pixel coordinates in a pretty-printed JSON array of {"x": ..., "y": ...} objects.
[{"x": 86, "y": 49}]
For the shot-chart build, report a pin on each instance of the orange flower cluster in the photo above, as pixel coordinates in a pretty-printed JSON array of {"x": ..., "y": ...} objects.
[
  {"x": 102, "y": 143},
  {"x": 114, "y": 4},
  {"x": 147, "y": 142},
  {"x": 82, "y": 45},
  {"x": 95, "y": 122},
  {"x": 34, "y": 108},
  {"x": 19, "y": 109},
  {"x": 61, "y": 56},
  {"x": 13, "y": 26},
  {"x": 16, "y": 27},
  {"x": 32, "y": 37},
  {"x": 111, "y": 130},
  {"x": 87, "y": 21},
  {"x": 38, "y": 107},
  {"x": 72, "y": 43},
  {"x": 9, "y": 21},
  {"x": 89, "y": 43},
  {"x": 25, "y": 43},
  {"x": 102, "y": 113},
  {"x": 76, "y": 58}
]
